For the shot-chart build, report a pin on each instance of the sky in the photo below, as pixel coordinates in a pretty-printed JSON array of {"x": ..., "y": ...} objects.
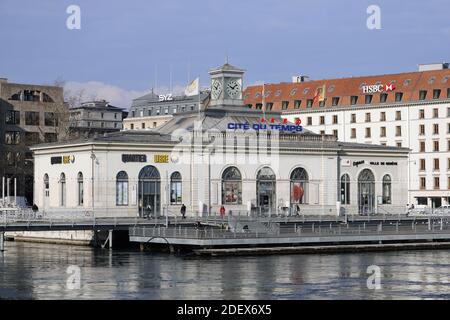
[{"x": 125, "y": 48}]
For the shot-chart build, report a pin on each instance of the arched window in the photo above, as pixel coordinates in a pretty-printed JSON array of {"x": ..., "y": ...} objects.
[
  {"x": 122, "y": 189},
  {"x": 62, "y": 181},
  {"x": 299, "y": 186},
  {"x": 345, "y": 189},
  {"x": 266, "y": 194},
  {"x": 231, "y": 186},
  {"x": 80, "y": 189},
  {"x": 46, "y": 185},
  {"x": 387, "y": 189},
  {"x": 366, "y": 192},
  {"x": 175, "y": 188}
]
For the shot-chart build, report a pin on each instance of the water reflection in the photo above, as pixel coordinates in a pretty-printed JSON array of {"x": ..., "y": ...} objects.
[{"x": 38, "y": 271}]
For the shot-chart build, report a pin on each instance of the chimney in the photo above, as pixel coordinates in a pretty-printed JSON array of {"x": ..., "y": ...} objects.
[
  {"x": 299, "y": 79},
  {"x": 433, "y": 66}
]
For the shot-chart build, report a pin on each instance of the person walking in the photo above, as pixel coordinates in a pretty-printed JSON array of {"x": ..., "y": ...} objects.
[
  {"x": 222, "y": 211},
  {"x": 183, "y": 211}
]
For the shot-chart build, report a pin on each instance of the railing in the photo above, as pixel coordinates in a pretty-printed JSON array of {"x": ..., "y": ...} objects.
[{"x": 431, "y": 226}]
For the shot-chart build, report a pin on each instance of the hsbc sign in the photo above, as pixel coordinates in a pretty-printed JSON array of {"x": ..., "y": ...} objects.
[{"x": 378, "y": 88}]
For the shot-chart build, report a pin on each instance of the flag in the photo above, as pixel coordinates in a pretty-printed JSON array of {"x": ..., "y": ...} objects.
[
  {"x": 320, "y": 94},
  {"x": 263, "y": 96},
  {"x": 193, "y": 88}
]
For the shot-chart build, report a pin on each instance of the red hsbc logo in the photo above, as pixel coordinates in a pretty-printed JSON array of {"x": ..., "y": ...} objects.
[{"x": 378, "y": 88}]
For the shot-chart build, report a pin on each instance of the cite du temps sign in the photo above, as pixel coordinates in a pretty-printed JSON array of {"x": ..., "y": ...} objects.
[
  {"x": 261, "y": 126},
  {"x": 62, "y": 160},
  {"x": 134, "y": 158}
]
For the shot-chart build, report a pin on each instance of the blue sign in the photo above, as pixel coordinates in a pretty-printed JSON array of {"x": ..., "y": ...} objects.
[{"x": 263, "y": 126}]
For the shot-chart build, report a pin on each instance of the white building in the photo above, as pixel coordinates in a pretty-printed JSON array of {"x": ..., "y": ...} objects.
[
  {"x": 413, "y": 113},
  {"x": 226, "y": 155}
]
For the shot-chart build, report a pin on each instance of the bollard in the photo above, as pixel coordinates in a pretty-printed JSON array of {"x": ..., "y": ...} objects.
[{"x": 2, "y": 242}]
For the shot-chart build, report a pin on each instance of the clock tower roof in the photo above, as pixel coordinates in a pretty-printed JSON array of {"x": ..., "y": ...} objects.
[{"x": 227, "y": 68}]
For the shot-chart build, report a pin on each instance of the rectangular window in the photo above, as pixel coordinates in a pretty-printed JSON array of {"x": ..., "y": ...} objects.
[
  {"x": 436, "y": 93},
  {"x": 422, "y": 94},
  {"x": 448, "y": 127},
  {"x": 12, "y": 137},
  {"x": 353, "y": 100},
  {"x": 422, "y": 164},
  {"x": 50, "y": 119},
  {"x": 368, "y": 99},
  {"x": 398, "y": 96},
  {"x": 284, "y": 105},
  {"x": 248, "y": 106},
  {"x": 368, "y": 133},
  {"x": 435, "y": 113},
  {"x": 259, "y": 106},
  {"x": 309, "y": 121},
  {"x": 448, "y": 112},
  {"x": 421, "y": 114},
  {"x": 335, "y": 133},
  {"x": 448, "y": 93},
  {"x": 423, "y": 184},
  {"x": 155, "y": 124},
  {"x": 322, "y": 132},
  {"x": 143, "y": 125},
  {"x": 322, "y": 104},
  {"x": 368, "y": 117},
  {"x": 437, "y": 181},
  {"x": 297, "y": 104},
  {"x": 102, "y": 115},
  {"x": 269, "y": 106},
  {"x": 383, "y": 132},
  {"x": 322, "y": 119},
  {"x": 353, "y": 133},
  {"x": 335, "y": 119},
  {"x": 309, "y": 103},
  {"x": 353, "y": 118},
  {"x": 12, "y": 117},
  {"x": 436, "y": 145},
  {"x": 383, "y": 116},
  {"x": 335, "y": 101},
  {"x": 436, "y": 164},
  {"x": 436, "y": 128},
  {"x": 399, "y": 144},
  {"x": 31, "y": 118},
  {"x": 32, "y": 138},
  {"x": 398, "y": 131},
  {"x": 383, "y": 97},
  {"x": 132, "y": 126},
  {"x": 422, "y": 146},
  {"x": 133, "y": 114},
  {"x": 115, "y": 115},
  {"x": 398, "y": 115},
  {"x": 421, "y": 129},
  {"x": 50, "y": 137}
]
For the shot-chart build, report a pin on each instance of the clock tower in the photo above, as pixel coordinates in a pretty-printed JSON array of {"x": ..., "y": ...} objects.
[{"x": 226, "y": 86}]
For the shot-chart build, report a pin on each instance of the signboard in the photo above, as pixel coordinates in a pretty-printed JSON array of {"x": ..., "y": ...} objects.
[
  {"x": 62, "y": 160},
  {"x": 346, "y": 163},
  {"x": 375, "y": 163},
  {"x": 161, "y": 158},
  {"x": 165, "y": 97},
  {"x": 134, "y": 158},
  {"x": 260, "y": 126},
  {"x": 378, "y": 88}
]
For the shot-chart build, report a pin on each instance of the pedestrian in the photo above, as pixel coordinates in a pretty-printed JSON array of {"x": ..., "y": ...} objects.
[
  {"x": 297, "y": 209},
  {"x": 222, "y": 211},
  {"x": 183, "y": 211},
  {"x": 149, "y": 211}
]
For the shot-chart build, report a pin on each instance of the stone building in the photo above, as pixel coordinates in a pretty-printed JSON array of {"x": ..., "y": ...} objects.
[{"x": 29, "y": 114}]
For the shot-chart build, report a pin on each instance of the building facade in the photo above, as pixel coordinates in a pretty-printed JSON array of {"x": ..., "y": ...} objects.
[
  {"x": 29, "y": 114},
  {"x": 224, "y": 155},
  {"x": 95, "y": 117},
  {"x": 409, "y": 110},
  {"x": 152, "y": 110}
]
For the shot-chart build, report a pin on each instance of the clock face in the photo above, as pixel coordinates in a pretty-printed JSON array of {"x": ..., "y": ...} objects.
[
  {"x": 233, "y": 88},
  {"x": 216, "y": 89}
]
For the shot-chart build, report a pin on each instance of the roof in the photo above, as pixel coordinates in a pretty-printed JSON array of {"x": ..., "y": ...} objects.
[{"x": 410, "y": 84}]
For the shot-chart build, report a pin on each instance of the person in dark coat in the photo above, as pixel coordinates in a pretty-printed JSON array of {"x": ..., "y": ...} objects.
[{"x": 183, "y": 211}]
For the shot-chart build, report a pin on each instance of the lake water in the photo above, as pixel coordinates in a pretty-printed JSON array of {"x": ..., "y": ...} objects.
[{"x": 40, "y": 271}]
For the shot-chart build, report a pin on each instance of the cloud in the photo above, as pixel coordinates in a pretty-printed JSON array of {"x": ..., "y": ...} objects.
[{"x": 119, "y": 97}]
